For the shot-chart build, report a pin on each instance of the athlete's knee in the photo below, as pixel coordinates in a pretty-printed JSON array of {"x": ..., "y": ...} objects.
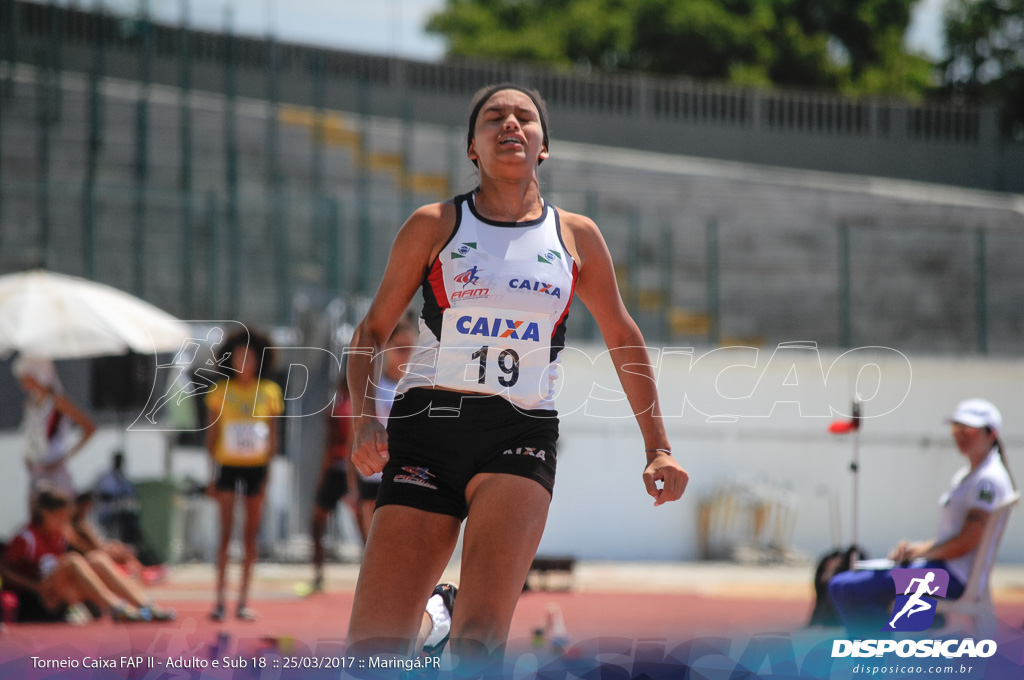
[
  {"x": 251, "y": 534},
  {"x": 74, "y": 561},
  {"x": 97, "y": 559}
]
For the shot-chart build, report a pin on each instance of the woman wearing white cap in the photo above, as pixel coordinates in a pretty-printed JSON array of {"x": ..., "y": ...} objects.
[
  {"x": 46, "y": 426},
  {"x": 863, "y": 598}
]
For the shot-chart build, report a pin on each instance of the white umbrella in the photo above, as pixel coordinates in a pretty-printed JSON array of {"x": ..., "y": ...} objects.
[{"x": 63, "y": 317}]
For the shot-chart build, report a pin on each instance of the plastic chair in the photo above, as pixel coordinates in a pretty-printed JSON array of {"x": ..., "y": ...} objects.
[{"x": 973, "y": 611}]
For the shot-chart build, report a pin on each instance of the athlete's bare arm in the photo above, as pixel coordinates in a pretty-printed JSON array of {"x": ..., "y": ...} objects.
[
  {"x": 961, "y": 544},
  {"x": 64, "y": 405},
  {"x": 272, "y": 423},
  {"x": 599, "y": 291},
  {"x": 417, "y": 244}
]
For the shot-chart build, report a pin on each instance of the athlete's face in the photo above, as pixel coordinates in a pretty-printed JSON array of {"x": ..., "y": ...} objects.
[
  {"x": 242, "y": 362},
  {"x": 972, "y": 441},
  {"x": 55, "y": 521},
  {"x": 508, "y": 132}
]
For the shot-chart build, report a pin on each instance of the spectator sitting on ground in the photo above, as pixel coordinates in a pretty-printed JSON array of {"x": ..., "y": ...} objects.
[
  {"x": 85, "y": 538},
  {"x": 49, "y": 580}
]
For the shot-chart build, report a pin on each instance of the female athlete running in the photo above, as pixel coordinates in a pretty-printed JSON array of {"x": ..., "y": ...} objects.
[{"x": 472, "y": 434}]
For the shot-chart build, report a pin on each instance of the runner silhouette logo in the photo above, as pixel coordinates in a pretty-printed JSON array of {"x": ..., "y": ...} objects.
[{"x": 916, "y": 590}]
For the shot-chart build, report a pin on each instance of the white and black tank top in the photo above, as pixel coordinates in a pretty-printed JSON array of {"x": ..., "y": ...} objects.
[{"x": 495, "y": 304}]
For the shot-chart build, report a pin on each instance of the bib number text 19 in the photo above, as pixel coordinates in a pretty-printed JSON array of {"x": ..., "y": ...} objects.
[{"x": 508, "y": 363}]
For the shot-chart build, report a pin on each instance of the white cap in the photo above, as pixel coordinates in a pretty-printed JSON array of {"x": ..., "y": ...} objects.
[{"x": 978, "y": 413}]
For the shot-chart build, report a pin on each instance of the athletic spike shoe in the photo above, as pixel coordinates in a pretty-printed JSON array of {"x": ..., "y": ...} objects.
[
  {"x": 439, "y": 608},
  {"x": 77, "y": 614},
  {"x": 158, "y": 614},
  {"x": 124, "y": 613},
  {"x": 245, "y": 614}
]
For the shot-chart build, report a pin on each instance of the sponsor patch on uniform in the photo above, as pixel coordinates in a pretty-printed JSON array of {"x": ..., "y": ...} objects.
[
  {"x": 514, "y": 329},
  {"x": 549, "y": 257},
  {"x": 470, "y": 294},
  {"x": 536, "y": 286},
  {"x": 526, "y": 451},
  {"x": 470, "y": 276},
  {"x": 463, "y": 250},
  {"x": 419, "y": 476}
]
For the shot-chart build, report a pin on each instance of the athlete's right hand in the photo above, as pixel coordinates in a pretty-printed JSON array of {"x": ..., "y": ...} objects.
[{"x": 370, "y": 450}]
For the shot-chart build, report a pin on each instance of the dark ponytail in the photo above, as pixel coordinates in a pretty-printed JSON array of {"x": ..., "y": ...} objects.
[{"x": 1002, "y": 456}]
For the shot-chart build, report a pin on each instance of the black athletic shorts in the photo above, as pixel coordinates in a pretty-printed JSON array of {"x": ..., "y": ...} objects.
[
  {"x": 438, "y": 440},
  {"x": 31, "y": 609},
  {"x": 333, "y": 486},
  {"x": 248, "y": 479},
  {"x": 368, "y": 489}
]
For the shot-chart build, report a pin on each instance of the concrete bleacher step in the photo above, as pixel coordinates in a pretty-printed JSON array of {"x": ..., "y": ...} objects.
[{"x": 777, "y": 237}]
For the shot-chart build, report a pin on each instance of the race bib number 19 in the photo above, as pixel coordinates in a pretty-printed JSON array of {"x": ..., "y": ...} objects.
[{"x": 492, "y": 351}]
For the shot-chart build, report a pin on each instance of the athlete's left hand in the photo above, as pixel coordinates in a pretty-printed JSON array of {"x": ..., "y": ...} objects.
[{"x": 665, "y": 469}]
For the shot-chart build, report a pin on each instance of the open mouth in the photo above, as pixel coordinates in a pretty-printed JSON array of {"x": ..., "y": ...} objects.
[{"x": 512, "y": 140}]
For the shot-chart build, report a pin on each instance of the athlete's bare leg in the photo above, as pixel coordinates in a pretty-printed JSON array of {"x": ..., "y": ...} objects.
[
  {"x": 226, "y": 505},
  {"x": 75, "y": 581},
  {"x": 506, "y": 520},
  {"x": 318, "y": 528},
  {"x": 364, "y": 516},
  {"x": 406, "y": 553},
  {"x": 253, "y": 515},
  {"x": 124, "y": 588}
]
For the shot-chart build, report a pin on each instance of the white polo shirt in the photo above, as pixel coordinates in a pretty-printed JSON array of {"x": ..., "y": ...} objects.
[{"x": 985, "y": 488}]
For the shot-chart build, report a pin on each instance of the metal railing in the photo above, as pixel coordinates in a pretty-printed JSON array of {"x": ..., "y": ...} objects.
[{"x": 627, "y": 95}]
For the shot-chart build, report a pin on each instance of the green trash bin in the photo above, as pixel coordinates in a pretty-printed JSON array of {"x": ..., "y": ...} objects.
[{"x": 158, "y": 516}]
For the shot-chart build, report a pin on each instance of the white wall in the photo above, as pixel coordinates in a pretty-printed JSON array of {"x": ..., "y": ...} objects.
[
  {"x": 601, "y": 511},
  {"x": 600, "y": 508}
]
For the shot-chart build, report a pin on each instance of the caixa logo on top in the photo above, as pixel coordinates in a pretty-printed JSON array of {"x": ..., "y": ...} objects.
[
  {"x": 536, "y": 286},
  {"x": 498, "y": 328},
  {"x": 912, "y": 612}
]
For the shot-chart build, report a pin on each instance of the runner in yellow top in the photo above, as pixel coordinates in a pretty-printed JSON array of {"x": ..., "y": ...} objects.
[{"x": 241, "y": 440}]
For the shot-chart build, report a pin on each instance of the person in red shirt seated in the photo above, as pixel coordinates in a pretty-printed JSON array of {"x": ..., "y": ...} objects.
[{"x": 48, "y": 579}]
